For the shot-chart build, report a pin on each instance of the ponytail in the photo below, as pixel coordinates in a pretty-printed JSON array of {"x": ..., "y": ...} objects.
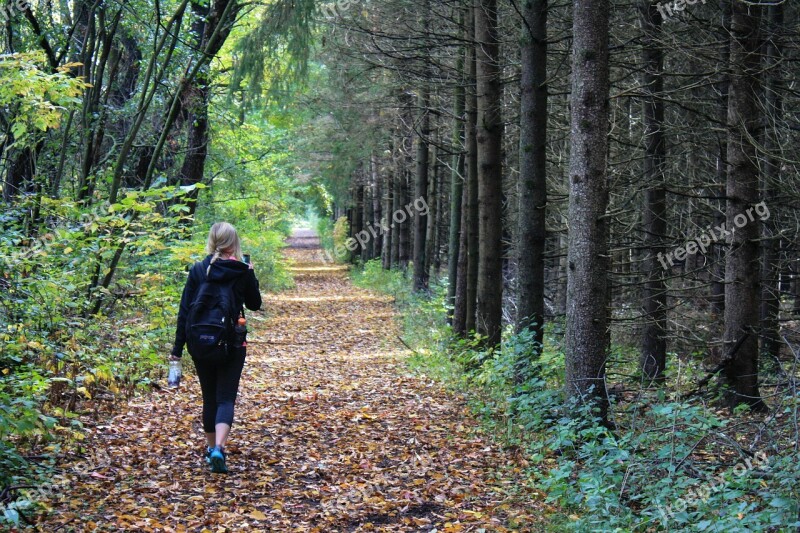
[{"x": 217, "y": 254}]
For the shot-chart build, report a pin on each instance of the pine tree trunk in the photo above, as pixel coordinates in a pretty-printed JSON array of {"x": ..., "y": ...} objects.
[
  {"x": 456, "y": 197},
  {"x": 532, "y": 169},
  {"x": 388, "y": 234},
  {"x": 433, "y": 216},
  {"x": 421, "y": 191},
  {"x": 770, "y": 251},
  {"x": 489, "y": 308},
  {"x": 742, "y": 287},
  {"x": 406, "y": 225},
  {"x": 654, "y": 298},
  {"x": 718, "y": 274},
  {"x": 396, "y": 199},
  {"x": 471, "y": 213},
  {"x": 460, "y": 305},
  {"x": 366, "y": 249},
  {"x": 587, "y": 256},
  {"x": 377, "y": 208}
]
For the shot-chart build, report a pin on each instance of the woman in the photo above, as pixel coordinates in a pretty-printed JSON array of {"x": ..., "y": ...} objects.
[{"x": 219, "y": 378}]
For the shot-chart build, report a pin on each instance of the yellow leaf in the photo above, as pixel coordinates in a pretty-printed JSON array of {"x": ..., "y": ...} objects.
[{"x": 258, "y": 515}]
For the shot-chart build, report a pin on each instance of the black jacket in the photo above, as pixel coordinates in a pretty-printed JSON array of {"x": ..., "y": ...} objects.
[{"x": 245, "y": 290}]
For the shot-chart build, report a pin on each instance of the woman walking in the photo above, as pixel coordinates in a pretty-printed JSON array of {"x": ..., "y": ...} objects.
[{"x": 219, "y": 376}]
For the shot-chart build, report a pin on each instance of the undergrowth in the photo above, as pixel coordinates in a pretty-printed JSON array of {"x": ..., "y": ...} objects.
[
  {"x": 62, "y": 363},
  {"x": 670, "y": 464}
]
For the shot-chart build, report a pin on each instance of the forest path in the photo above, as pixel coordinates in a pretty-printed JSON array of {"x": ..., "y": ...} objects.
[{"x": 331, "y": 434}]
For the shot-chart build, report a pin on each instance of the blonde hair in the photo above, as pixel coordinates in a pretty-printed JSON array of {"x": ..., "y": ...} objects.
[{"x": 223, "y": 239}]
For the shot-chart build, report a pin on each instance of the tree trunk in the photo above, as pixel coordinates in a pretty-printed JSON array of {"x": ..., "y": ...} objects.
[
  {"x": 358, "y": 214},
  {"x": 718, "y": 274},
  {"x": 421, "y": 191},
  {"x": 377, "y": 207},
  {"x": 460, "y": 304},
  {"x": 654, "y": 298},
  {"x": 210, "y": 36},
  {"x": 742, "y": 287},
  {"x": 587, "y": 256},
  {"x": 489, "y": 134},
  {"x": 433, "y": 216},
  {"x": 388, "y": 234},
  {"x": 19, "y": 177},
  {"x": 472, "y": 250},
  {"x": 405, "y": 225},
  {"x": 532, "y": 170},
  {"x": 770, "y": 252},
  {"x": 397, "y": 193},
  {"x": 456, "y": 197},
  {"x": 366, "y": 249}
]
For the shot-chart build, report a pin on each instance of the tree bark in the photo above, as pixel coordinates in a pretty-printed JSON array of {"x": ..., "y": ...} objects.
[
  {"x": 421, "y": 191},
  {"x": 587, "y": 256},
  {"x": 473, "y": 237},
  {"x": 211, "y": 28},
  {"x": 770, "y": 248},
  {"x": 377, "y": 207},
  {"x": 718, "y": 273},
  {"x": 533, "y": 170},
  {"x": 742, "y": 287},
  {"x": 432, "y": 228},
  {"x": 456, "y": 196},
  {"x": 405, "y": 225},
  {"x": 489, "y": 309},
  {"x": 389, "y": 234},
  {"x": 654, "y": 298}
]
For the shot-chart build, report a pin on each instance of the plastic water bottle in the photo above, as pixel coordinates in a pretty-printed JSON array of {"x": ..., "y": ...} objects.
[
  {"x": 175, "y": 373},
  {"x": 240, "y": 332}
]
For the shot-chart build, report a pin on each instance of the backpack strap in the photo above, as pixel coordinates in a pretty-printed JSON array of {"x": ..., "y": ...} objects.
[{"x": 198, "y": 272}]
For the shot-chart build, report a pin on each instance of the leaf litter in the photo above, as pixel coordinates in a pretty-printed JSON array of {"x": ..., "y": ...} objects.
[{"x": 331, "y": 434}]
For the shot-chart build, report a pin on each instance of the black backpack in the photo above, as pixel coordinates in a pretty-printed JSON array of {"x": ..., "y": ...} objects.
[{"x": 211, "y": 319}]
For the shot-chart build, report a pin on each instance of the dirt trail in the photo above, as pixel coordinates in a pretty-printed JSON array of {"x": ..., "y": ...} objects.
[{"x": 331, "y": 434}]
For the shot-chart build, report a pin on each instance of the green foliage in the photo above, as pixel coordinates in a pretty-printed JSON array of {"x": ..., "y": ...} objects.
[
  {"x": 57, "y": 357},
  {"x": 651, "y": 473},
  {"x": 334, "y": 238},
  {"x": 324, "y": 228},
  {"x": 32, "y": 100},
  {"x": 392, "y": 282}
]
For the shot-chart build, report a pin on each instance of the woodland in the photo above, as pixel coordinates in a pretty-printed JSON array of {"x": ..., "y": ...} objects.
[{"x": 582, "y": 216}]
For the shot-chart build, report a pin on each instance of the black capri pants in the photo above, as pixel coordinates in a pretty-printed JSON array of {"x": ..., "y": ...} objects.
[{"x": 219, "y": 381}]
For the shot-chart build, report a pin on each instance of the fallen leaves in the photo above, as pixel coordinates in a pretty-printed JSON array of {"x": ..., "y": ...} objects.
[{"x": 330, "y": 435}]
